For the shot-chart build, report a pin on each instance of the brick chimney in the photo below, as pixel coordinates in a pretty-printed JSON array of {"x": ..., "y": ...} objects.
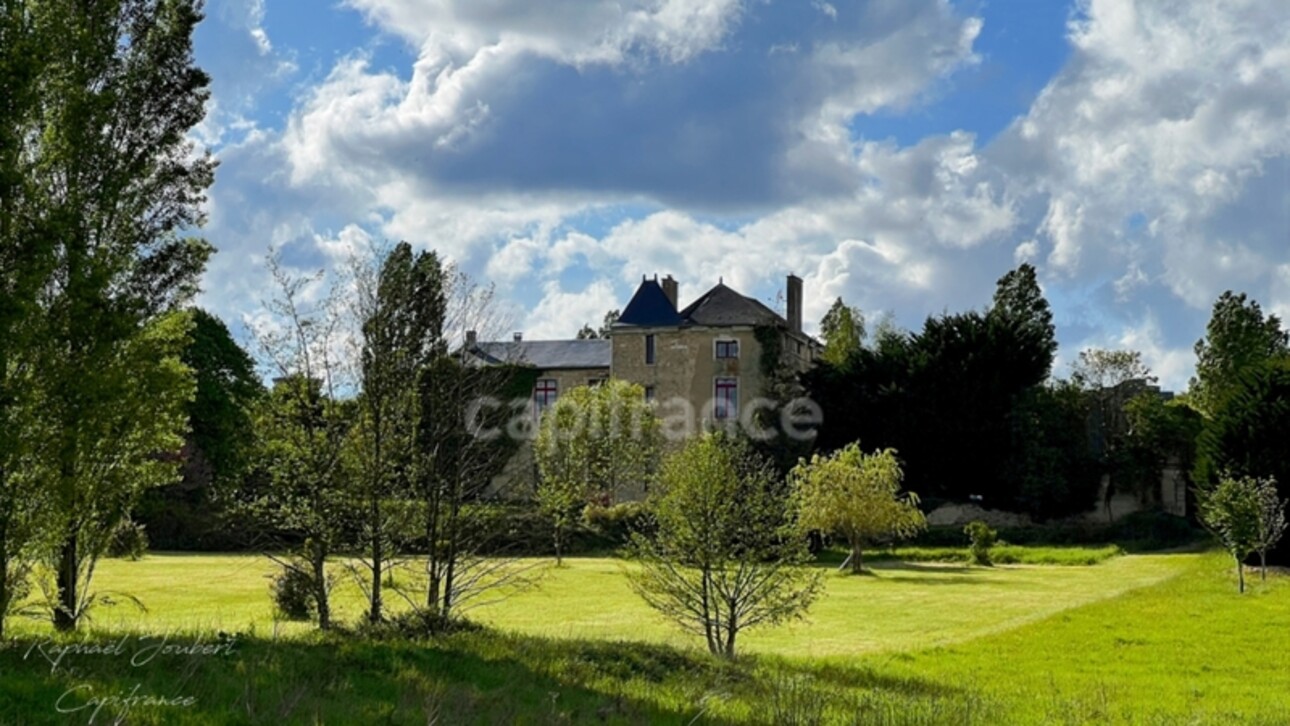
[
  {"x": 794, "y": 303},
  {"x": 519, "y": 337},
  {"x": 670, "y": 289},
  {"x": 472, "y": 338}
]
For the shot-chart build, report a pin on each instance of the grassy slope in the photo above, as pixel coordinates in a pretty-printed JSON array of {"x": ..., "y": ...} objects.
[
  {"x": 1025, "y": 645},
  {"x": 901, "y": 607}
]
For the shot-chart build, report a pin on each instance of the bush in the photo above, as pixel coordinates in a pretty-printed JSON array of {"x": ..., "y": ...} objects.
[
  {"x": 293, "y": 594},
  {"x": 129, "y": 541},
  {"x": 982, "y": 539},
  {"x": 618, "y": 522},
  {"x": 415, "y": 625}
]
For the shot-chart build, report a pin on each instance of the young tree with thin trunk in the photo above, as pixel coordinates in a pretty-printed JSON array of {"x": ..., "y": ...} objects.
[
  {"x": 302, "y": 427},
  {"x": 466, "y": 430},
  {"x": 1233, "y": 512},
  {"x": 726, "y": 556},
  {"x": 857, "y": 497},
  {"x": 1272, "y": 522},
  {"x": 398, "y": 306}
]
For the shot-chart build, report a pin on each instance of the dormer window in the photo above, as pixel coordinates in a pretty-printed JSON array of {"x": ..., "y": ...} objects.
[{"x": 727, "y": 349}]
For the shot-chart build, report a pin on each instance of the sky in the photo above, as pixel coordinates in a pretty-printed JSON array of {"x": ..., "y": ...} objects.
[{"x": 900, "y": 154}]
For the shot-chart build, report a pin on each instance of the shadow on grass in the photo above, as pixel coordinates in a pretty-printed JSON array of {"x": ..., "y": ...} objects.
[{"x": 480, "y": 677}]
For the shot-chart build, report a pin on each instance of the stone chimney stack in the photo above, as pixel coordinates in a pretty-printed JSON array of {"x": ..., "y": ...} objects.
[
  {"x": 670, "y": 289},
  {"x": 471, "y": 338},
  {"x": 519, "y": 337},
  {"x": 794, "y": 303}
]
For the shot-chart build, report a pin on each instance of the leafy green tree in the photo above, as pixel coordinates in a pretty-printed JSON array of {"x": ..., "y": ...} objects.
[
  {"x": 222, "y": 435},
  {"x": 1232, "y": 511},
  {"x": 26, "y": 262},
  {"x": 219, "y": 448},
  {"x": 857, "y": 497},
  {"x": 1110, "y": 378},
  {"x": 602, "y": 333},
  {"x": 843, "y": 331},
  {"x": 1247, "y": 432},
  {"x": 1237, "y": 337},
  {"x": 469, "y": 424},
  {"x": 596, "y": 442},
  {"x": 464, "y": 441},
  {"x": 1272, "y": 522},
  {"x": 725, "y": 557},
  {"x": 111, "y": 178},
  {"x": 1020, "y": 306},
  {"x": 302, "y": 428},
  {"x": 1050, "y": 471},
  {"x": 946, "y": 397},
  {"x": 1158, "y": 433},
  {"x": 400, "y": 306},
  {"x": 116, "y": 436}
]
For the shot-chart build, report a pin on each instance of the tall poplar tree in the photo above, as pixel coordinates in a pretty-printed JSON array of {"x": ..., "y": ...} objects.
[
  {"x": 400, "y": 304},
  {"x": 113, "y": 183}
]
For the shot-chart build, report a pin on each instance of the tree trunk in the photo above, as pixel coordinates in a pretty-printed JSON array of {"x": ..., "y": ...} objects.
[
  {"x": 432, "y": 570},
  {"x": 65, "y": 614},
  {"x": 320, "y": 592},
  {"x": 732, "y": 629},
  {"x": 857, "y": 559},
  {"x": 374, "y": 614},
  {"x": 1240, "y": 575},
  {"x": 1263, "y": 565},
  {"x": 5, "y": 589},
  {"x": 708, "y": 632},
  {"x": 559, "y": 560}
]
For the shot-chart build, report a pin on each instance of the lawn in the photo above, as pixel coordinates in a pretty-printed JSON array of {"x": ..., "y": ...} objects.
[{"x": 1134, "y": 639}]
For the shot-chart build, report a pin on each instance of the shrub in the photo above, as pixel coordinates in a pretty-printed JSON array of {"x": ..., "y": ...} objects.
[
  {"x": 293, "y": 594},
  {"x": 129, "y": 541},
  {"x": 618, "y": 522},
  {"x": 982, "y": 540}
]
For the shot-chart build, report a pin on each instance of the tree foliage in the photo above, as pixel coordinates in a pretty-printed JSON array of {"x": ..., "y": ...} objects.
[
  {"x": 1237, "y": 337},
  {"x": 1233, "y": 512},
  {"x": 99, "y": 186},
  {"x": 227, "y": 388},
  {"x": 1247, "y": 433},
  {"x": 945, "y": 396},
  {"x": 1019, "y": 305},
  {"x": 602, "y": 333},
  {"x": 1050, "y": 469},
  {"x": 843, "y": 331},
  {"x": 465, "y": 434},
  {"x": 1272, "y": 521},
  {"x": 399, "y": 306},
  {"x": 725, "y": 557},
  {"x": 855, "y": 496},
  {"x": 302, "y": 427},
  {"x": 597, "y": 443}
]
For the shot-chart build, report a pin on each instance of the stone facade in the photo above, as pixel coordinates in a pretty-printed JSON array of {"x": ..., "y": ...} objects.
[{"x": 686, "y": 366}]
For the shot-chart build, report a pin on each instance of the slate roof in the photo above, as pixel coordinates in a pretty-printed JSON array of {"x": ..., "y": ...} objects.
[
  {"x": 650, "y": 307},
  {"x": 723, "y": 306},
  {"x": 546, "y": 354},
  {"x": 718, "y": 307}
]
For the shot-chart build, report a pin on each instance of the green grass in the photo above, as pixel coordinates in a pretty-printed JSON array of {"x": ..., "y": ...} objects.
[{"x": 1135, "y": 639}]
